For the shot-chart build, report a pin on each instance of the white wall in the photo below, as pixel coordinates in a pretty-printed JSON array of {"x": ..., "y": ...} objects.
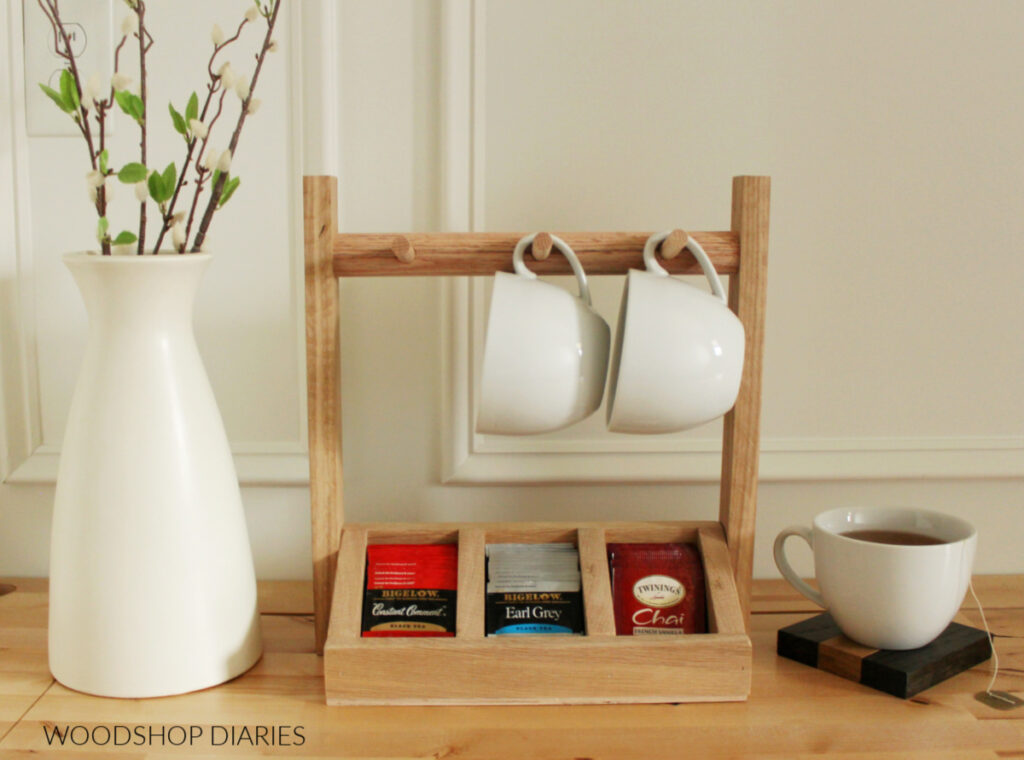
[{"x": 892, "y": 354}]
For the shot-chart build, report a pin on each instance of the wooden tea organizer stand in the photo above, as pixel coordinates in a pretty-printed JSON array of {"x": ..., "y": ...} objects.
[{"x": 471, "y": 668}]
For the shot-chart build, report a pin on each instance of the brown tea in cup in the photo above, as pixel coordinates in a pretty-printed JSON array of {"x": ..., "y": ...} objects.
[{"x": 894, "y": 537}]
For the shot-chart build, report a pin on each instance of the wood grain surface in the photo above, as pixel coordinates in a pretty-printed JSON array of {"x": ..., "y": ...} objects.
[
  {"x": 484, "y": 253},
  {"x": 794, "y": 712},
  {"x": 741, "y": 437},
  {"x": 323, "y": 389}
]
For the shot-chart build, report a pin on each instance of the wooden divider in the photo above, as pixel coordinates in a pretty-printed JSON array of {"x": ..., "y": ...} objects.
[
  {"x": 597, "y": 589},
  {"x": 469, "y": 611}
]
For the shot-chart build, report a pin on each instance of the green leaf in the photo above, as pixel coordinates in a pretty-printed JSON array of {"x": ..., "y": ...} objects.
[
  {"x": 104, "y": 157},
  {"x": 214, "y": 178},
  {"x": 101, "y": 228},
  {"x": 192, "y": 109},
  {"x": 132, "y": 173},
  {"x": 168, "y": 178},
  {"x": 68, "y": 91},
  {"x": 156, "y": 187},
  {"x": 229, "y": 189},
  {"x": 124, "y": 238},
  {"x": 55, "y": 97},
  {"x": 179, "y": 122},
  {"x": 131, "y": 104}
]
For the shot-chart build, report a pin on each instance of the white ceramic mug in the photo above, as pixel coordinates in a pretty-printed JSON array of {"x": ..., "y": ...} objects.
[
  {"x": 678, "y": 356},
  {"x": 546, "y": 352},
  {"x": 882, "y": 595}
]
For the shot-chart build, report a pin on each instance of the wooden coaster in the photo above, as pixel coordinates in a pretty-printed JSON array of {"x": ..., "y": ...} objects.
[{"x": 819, "y": 643}]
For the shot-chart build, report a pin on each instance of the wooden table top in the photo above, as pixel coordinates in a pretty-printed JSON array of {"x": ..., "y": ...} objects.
[{"x": 793, "y": 712}]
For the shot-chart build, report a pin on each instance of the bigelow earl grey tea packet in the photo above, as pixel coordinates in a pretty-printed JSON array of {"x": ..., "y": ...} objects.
[{"x": 533, "y": 589}]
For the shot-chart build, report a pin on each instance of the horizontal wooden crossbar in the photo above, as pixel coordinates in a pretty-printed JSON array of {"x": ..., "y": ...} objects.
[{"x": 483, "y": 253}]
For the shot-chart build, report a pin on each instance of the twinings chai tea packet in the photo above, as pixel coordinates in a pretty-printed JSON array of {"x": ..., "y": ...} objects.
[
  {"x": 533, "y": 589},
  {"x": 410, "y": 590},
  {"x": 657, "y": 589}
]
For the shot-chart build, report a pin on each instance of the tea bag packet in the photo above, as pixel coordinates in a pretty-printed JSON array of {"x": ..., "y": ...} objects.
[
  {"x": 533, "y": 589},
  {"x": 657, "y": 589},
  {"x": 410, "y": 590}
]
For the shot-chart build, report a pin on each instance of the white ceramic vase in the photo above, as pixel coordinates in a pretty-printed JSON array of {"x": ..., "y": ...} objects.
[{"x": 152, "y": 589}]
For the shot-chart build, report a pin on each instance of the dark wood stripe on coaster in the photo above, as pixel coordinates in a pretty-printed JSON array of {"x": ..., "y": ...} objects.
[{"x": 818, "y": 642}]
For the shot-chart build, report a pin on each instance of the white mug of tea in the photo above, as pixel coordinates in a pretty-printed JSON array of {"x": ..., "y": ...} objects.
[
  {"x": 545, "y": 354},
  {"x": 678, "y": 356},
  {"x": 890, "y": 578}
]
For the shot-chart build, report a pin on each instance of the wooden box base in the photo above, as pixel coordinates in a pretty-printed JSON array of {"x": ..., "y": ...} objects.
[{"x": 599, "y": 667}]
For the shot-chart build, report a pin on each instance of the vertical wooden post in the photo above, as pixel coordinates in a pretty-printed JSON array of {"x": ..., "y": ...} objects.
[
  {"x": 741, "y": 438},
  {"x": 323, "y": 388}
]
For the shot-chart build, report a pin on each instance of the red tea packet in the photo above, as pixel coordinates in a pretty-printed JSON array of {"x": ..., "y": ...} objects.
[
  {"x": 410, "y": 590},
  {"x": 657, "y": 589}
]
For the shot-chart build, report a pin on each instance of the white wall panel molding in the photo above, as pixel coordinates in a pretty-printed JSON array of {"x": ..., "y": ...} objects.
[
  {"x": 20, "y": 422},
  {"x": 470, "y": 458},
  {"x": 24, "y": 459}
]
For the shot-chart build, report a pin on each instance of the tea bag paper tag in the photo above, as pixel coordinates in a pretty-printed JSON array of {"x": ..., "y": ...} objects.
[{"x": 999, "y": 700}]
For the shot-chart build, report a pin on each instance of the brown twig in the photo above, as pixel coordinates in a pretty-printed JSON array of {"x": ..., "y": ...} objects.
[
  {"x": 140, "y": 9},
  {"x": 211, "y": 89},
  {"x": 201, "y": 174},
  {"x": 218, "y": 188},
  {"x": 51, "y": 9}
]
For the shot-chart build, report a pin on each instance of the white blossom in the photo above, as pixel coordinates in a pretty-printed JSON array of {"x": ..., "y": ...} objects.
[
  {"x": 254, "y": 105},
  {"x": 108, "y": 186},
  {"x": 242, "y": 88},
  {"x": 178, "y": 218},
  {"x": 199, "y": 129},
  {"x": 129, "y": 24},
  {"x": 224, "y": 162},
  {"x": 92, "y": 194},
  {"x": 91, "y": 91},
  {"x": 125, "y": 249},
  {"x": 272, "y": 47},
  {"x": 227, "y": 75},
  {"x": 209, "y": 161},
  {"x": 217, "y": 35},
  {"x": 120, "y": 81},
  {"x": 178, "y": 235},
  {"x": 252, "y": 13},
  {"x": 141, "y": 191},
  {"x": 94, "y": 178}
]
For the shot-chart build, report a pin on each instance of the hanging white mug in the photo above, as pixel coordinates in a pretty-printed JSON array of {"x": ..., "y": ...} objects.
[
  {"x": 546, "y": 352},
  {"x": 678, "y": 356}
]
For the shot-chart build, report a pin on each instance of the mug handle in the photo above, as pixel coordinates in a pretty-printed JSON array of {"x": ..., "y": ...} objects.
[
  {"x": 651, "y": 262},
  {"x": 787, "y": 571},
  {"x": 520, "y": 266}
]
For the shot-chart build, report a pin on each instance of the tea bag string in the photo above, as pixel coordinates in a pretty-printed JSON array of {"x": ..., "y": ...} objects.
[{"x": 991, "y": 643}]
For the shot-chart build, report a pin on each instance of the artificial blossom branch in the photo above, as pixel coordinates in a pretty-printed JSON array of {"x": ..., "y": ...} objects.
[{"x": 218, "y": 186}]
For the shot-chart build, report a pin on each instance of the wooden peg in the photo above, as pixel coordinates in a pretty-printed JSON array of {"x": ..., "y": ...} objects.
[
  {"x": 674, "y": 244},
  {"x": 541, "y": 247},
  {"x": 403, "y": 250}
]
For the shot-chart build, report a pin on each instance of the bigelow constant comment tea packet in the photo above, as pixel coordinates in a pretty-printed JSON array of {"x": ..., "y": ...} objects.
[
  {"x": 533, "y": 589},
  {"x": 410, "y": 590}
]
